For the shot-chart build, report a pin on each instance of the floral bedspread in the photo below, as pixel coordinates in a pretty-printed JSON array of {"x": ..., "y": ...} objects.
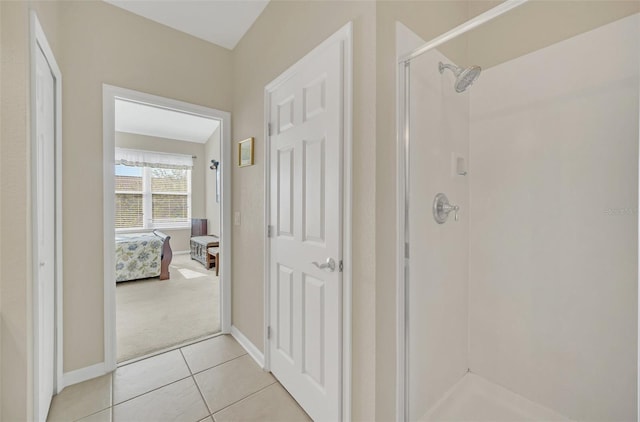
[{"x": 137, "y": 256}]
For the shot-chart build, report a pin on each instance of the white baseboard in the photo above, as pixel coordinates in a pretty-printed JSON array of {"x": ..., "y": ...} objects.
[
  {"x": 181, "y": 252},
  {"x": 253, "y": 351},
  {"x": 83, "y": 374}
]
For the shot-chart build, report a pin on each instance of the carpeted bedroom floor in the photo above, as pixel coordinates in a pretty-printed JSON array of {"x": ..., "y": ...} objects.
[{"x": 152, "y": 315}]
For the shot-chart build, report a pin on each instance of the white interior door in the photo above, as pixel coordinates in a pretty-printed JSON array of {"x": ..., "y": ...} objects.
[
  {"x": 306, "y": 114},
  {"x": 45, "y": 229}
]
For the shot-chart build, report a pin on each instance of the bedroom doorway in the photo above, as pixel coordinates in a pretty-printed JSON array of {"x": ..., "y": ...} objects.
[{"x": 167, "y": 228}]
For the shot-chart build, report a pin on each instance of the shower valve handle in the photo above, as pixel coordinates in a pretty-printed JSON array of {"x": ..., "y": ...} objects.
[
  {"x": 442, "y": 208},
  {"x": 448, "y": 208}
]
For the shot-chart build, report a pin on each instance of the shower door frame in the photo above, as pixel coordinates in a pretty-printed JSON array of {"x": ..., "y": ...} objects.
[{"x": 403, "y": 144}]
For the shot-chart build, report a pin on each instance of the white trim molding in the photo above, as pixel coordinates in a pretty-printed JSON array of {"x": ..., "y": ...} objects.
[
  {"x": 84, "y": 374},
  {"x": 247, "y": 345},
  {"x": 109, "y": 95},
  {"x": 38, "y": 40},
  {"x": 344, "y": 34},
  {"x": 347, "y": 221}
]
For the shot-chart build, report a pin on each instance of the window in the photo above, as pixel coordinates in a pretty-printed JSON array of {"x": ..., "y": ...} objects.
[
  {"x": 129, "y": 197},
  {"x": 152, "y": 197}
]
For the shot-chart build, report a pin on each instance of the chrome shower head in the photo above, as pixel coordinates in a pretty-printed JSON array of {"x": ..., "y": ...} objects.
[{"x": 464, "y": 77}]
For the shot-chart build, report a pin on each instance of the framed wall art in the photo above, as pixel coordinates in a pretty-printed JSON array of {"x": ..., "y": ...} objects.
[{"x": 245, "y": 152}]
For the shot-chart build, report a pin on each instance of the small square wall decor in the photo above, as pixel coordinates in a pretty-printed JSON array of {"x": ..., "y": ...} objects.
[{"x": 245, "y": 152}]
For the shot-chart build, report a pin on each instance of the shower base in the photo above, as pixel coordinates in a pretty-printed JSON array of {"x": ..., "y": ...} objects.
[{"x": 475, "y": 399}]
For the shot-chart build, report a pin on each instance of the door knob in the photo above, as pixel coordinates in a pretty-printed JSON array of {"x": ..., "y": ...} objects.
[{"x": 330, "y": 265}]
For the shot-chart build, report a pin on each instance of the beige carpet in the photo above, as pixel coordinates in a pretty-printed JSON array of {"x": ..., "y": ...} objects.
[{"x": 153, "y": 315}]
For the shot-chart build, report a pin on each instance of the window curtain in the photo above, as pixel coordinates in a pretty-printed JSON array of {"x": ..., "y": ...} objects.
[{"x": 140, "y": 158}]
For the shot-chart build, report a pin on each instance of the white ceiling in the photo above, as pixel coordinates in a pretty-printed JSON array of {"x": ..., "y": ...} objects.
[
  {"x": 222, "y": 22},
  {"x": 162, "y": 123}
]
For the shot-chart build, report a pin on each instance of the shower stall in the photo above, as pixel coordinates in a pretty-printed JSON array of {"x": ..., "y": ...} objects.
[{"x": 518, "y": 215}]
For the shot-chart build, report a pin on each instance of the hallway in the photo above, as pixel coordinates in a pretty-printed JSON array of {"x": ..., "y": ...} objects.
[{"x": 212, "y": 380}]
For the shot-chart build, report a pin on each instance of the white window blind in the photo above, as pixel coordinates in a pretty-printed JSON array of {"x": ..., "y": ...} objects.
[
  {"x": 154, "y": 195},
  {"x": 129, "y": 197},
  {"x": 141, "y": 158}
]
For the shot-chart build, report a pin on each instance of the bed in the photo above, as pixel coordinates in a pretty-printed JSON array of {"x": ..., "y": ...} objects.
[{"x": 142, "y": 255}]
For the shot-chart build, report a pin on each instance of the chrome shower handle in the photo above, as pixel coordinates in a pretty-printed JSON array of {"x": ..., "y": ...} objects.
[
  {"x": 329, "y": 265},
  {"x": 447, "y": 208},
  {"x": 442, "y": 208}
]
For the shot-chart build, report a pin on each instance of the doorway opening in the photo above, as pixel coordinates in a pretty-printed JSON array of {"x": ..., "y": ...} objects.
[{"x": 166, "y": 241}]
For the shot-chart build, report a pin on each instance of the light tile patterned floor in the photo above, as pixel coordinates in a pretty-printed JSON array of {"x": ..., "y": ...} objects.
[{"x": 213, "y": 380}]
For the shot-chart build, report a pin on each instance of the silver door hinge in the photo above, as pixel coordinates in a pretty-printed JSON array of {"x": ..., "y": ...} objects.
[
  {"x": 269, "y": 231},
  {"x": 269, "y": 332},
  {"x": 341, "y": 266},
  {"x": 269, "y": 129}
]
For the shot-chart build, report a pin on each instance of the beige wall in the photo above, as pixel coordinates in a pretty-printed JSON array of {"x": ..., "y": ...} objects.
[
  {"x": 14, "y": 268},
  {"x": 536, "y": 25},
  {"x": 15, "y": 265},
  {"x": 212, "y": 208},
  {"x": 105, "y": 44},
  {"x": 179, "y": 237},
  {"x": 300, "y": 27}
]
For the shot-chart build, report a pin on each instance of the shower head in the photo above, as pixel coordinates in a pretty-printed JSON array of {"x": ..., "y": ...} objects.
[{"x": 464, "y": 77}]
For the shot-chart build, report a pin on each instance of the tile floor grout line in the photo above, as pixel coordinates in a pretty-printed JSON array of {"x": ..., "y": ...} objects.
[
  {"x": 112, "y": 404},
  {"x": 191, "y": 374},
  {"x": 196, "y": 383},
  {"x": 244, "y": 398},
  {"x": 169, "y": 349},
  {"x": 91, "y": 414},
  {"x": 202, "y": 395},
  {"x": 219, "y": 364},
  {"x": 204, "y": 370},
  {"x": 185, "y": 361},
  {"x": 150, "y": 391}
]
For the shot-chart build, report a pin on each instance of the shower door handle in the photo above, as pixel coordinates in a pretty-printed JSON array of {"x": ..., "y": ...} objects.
[{"x": 330, "y": 265}]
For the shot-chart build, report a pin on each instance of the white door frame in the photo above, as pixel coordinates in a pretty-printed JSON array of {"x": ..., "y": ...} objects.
[
  {"x": 345, "y": 34},
  {"x": 109, "y": 95},
  {"x": 38, "y": 40}
]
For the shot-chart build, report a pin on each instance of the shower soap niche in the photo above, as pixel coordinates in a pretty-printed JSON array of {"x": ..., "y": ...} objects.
[{"x": 458, "y": 165}]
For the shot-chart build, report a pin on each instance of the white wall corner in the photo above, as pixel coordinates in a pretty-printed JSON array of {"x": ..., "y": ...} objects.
[{"x": 247, "y": 345}]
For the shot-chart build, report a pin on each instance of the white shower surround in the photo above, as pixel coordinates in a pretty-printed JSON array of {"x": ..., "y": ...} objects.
[
  {"x": 552, "y": 273},
  {"x": 571, "y": 224}
]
